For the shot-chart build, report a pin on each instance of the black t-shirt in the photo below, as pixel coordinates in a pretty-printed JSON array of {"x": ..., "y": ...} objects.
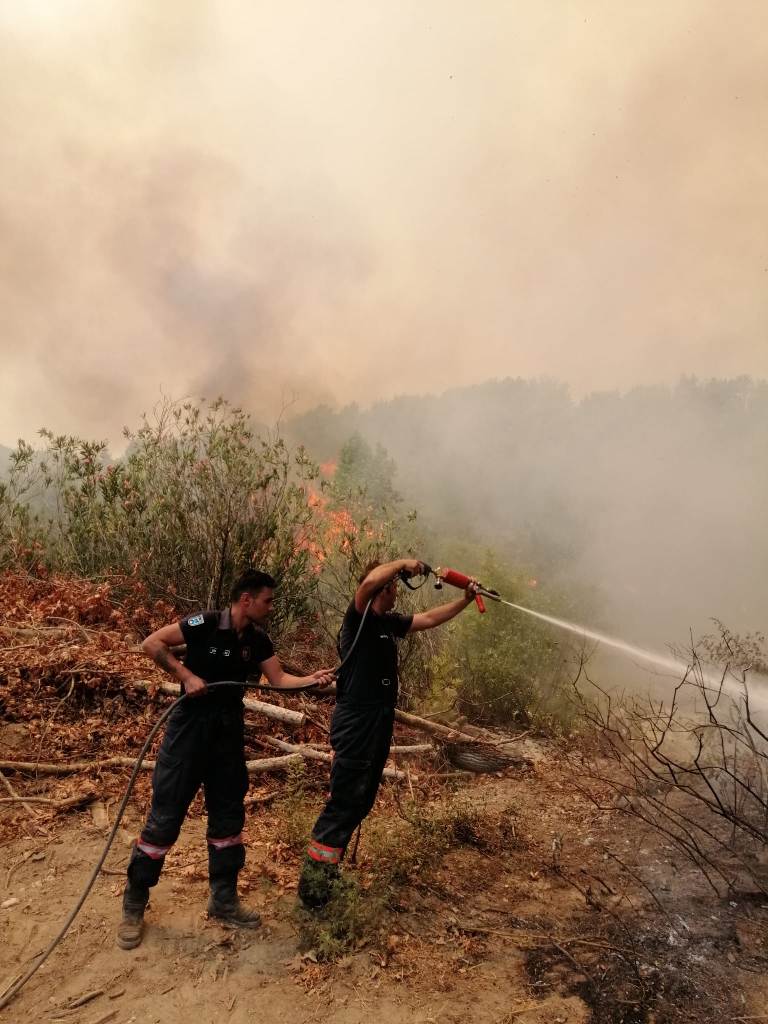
[
  {"x": 216, "y": 652},
  {"x": 370, "y": 676}
]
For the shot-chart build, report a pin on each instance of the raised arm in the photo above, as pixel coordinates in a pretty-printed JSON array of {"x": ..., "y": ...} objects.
[
  {"x": 158, "y": 647},
  {"x": 379, "y": 577}
]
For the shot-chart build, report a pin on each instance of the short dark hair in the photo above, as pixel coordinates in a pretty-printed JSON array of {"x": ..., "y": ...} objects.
[{"x": 251, "y": 582}]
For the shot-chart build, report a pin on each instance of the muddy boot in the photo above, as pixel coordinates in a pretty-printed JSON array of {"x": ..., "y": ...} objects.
[
  {"x": 225, "y": 907},
  {"x": 316, "y": 883},
  {"x": 131, "y": 927}
]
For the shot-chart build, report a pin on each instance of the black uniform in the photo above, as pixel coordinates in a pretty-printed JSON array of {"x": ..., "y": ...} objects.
[
  {"x": 203, "y": 745},
  {"x": 361, "y": 728}
]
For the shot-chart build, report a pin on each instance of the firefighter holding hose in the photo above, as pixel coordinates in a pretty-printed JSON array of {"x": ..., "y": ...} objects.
[
  {"x": 361, "y": 728},
  {"x": 204, "y": 745}
]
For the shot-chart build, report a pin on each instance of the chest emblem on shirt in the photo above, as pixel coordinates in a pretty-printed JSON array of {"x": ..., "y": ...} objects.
[{"x": 245, "y": 653}]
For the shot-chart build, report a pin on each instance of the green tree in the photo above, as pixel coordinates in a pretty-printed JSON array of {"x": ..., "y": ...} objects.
[{"x": 364, "y": 475}]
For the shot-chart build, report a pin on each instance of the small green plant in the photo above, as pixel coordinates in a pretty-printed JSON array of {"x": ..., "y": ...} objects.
[
  {"x": 296, "y": 809},
  {"x": 351, "y": 918}
]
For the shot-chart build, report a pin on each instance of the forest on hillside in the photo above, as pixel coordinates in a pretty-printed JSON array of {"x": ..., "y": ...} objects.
[{"x": 652, "y": 501}]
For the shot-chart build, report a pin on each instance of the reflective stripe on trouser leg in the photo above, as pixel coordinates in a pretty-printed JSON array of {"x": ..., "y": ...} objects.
[
  {"x": 151, "y": 849},
  {"x": 324, "y": 854},
  {"x": 226, "y": 857},
  {"x": 222, "y": 844},
  {"x": 146, "y": 863}
]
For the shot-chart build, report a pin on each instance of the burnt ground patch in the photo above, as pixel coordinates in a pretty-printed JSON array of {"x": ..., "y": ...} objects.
[{"x": 628, "y": 976}]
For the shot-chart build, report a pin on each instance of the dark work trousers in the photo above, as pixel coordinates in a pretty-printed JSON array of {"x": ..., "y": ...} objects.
[
  {"x": 203, "y": 745},
  {"x": 360, "y": 737}
]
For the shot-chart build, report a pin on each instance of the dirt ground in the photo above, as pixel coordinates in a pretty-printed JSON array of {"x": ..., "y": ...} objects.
[{"x": 571, "y": 915}]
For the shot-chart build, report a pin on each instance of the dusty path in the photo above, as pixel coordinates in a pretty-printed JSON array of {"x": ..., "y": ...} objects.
[{"x": 535, "y": 925}]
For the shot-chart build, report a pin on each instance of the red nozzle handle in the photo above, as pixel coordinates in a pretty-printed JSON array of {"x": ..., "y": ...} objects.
[
  {"x": 458, "y": 579},
  {"x": 454, "y": 579}
]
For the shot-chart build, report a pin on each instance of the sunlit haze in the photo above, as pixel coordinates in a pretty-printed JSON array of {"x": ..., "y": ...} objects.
[{"x": 337, "y": 202}]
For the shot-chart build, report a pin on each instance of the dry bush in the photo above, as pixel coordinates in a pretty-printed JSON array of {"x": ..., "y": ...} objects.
[{"x": 694, "y": 767}]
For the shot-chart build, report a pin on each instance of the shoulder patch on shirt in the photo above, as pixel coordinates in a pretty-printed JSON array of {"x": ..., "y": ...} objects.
[{"x": 195, "y": 620}]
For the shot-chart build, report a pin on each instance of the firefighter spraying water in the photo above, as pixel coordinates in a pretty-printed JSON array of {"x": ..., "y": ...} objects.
[
  {"x": 361, "y": 730},
  {"x": 364, "y": 717}
]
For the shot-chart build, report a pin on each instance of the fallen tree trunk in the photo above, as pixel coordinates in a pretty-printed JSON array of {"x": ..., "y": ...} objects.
[
  {"x": 415, "y": 722},
  {"x": 434, "y": 728},
  {"x": 265, "y": 764},
  {"x": 68, "y": 804},
  {"x": 411, "y": 748},
  {"x": 278, "y": 714},
  {"x": 286, "y": 715},
  {"x": 318, "y": 755},
  {"x": 47, "y": 768}
]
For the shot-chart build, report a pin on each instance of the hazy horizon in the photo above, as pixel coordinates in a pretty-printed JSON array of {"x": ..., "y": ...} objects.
[{"x": 345, "y": 203}]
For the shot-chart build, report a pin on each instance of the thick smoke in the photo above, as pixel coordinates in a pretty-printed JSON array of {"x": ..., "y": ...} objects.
[
  {"x": 344, "y": 201},
  {"x": 655, "y": 499}
]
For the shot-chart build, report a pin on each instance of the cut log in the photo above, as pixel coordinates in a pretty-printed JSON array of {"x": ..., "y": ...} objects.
[
  {"x": 405, "y": 750},
  {"x": 318, "y": 755},
  {"x": 266, "y": 764},
  {"x": 71, "y": 802},
  {"x": 414, "y": 721},
  {"x": 278, "y": 714},
  {"x": 272, "y": 764}
]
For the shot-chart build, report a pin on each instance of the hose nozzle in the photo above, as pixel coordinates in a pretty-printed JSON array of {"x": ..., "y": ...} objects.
[{"x": 458, "y": 579}]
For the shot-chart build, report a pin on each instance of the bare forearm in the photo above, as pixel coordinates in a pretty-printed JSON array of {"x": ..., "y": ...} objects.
[
  {"x": 161, "y": 654},
  {"x": 443, "y": 613},
  {"x": 285, "y": 679}
]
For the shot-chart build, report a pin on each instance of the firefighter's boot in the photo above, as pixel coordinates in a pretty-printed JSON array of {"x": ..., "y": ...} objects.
[
  {"x": 224, "y": 905},
  {"x": 316, "y": 883},
  {"x": 131, "y": 928}
]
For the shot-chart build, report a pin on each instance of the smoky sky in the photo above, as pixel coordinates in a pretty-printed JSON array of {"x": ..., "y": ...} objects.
[{"x": 300, "y": 203}]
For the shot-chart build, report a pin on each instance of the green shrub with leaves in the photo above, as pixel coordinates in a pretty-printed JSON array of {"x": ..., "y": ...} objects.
[
  {"x": 504, "y": 666},
  {"x": 197, "y": 498},
  {"x": 21, "y": 533}
]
